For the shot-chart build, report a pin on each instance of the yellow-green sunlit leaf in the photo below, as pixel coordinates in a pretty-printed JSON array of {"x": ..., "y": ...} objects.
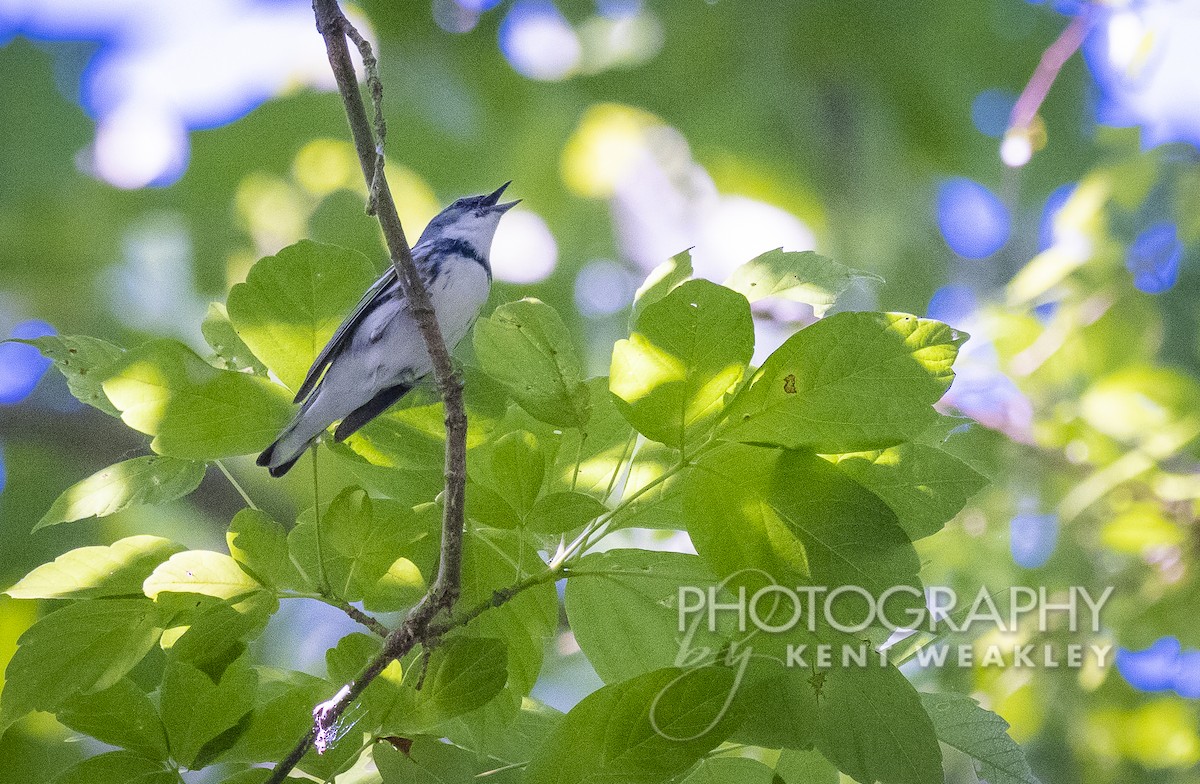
[{"x": 142, "y": 481}]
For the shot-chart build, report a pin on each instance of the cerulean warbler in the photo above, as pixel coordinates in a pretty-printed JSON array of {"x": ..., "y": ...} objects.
[{"x": 377, "y": 355}]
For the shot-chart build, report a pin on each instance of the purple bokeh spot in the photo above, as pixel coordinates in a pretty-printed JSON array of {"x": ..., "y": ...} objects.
[
  {"x": 1032, "y": 539},
  {"x": 1152, "y": 669},
  {"x": 21, "y": 365},
  {"x": 972, "y": 219},
  {"x": 1153, "y": 258},
  {"x": 1054, "y": 203},
  {"x": 953, "y": 304}
]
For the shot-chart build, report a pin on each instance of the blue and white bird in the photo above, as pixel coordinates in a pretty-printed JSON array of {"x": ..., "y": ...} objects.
[{"x": 377, "y": 355}]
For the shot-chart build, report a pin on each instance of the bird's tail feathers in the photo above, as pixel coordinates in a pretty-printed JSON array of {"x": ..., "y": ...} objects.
[{"x": 280, "y": 456}]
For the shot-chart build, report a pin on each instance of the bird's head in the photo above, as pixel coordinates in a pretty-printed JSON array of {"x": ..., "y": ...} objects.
[{"x": 471, "y": 218}]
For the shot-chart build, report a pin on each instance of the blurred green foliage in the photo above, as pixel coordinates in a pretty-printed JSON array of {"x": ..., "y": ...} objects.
[{"x": 845, "y": 114}]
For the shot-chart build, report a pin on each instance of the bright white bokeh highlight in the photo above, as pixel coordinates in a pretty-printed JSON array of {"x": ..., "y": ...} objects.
[
  {"x": 539, "y": 42},
  {"x": 523, "y": 250},
  {"x": 166, "y": 67}
]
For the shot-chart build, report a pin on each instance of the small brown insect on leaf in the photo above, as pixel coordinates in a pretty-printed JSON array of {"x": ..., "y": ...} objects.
[{"x": 789, "y": 383}]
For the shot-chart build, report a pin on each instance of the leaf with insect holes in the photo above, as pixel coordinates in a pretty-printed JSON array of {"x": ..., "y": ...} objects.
[
  {"x": 849, "y": 383},
  {"x": 82, "y": 361},
  {"x": 527, "y": 348}
]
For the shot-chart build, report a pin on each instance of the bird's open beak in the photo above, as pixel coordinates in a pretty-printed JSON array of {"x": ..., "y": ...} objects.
[{"x": 493, "y": 198}]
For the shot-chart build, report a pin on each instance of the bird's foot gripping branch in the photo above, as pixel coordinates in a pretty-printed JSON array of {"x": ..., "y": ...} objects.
[{"x": 818, "y": 468}]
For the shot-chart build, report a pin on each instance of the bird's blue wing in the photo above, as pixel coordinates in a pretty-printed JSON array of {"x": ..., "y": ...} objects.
[{"x": 382, "y": 290}]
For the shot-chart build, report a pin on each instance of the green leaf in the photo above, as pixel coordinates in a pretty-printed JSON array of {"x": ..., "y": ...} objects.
[
  {"x": 118, "y": 767},
  {"x": 526, "y": 347},
  {"x": 282, "y": 712},
  {"x": 800, "y": 277},
  {"x": 430, "y": 761},
  {"x": 361, "y": 540},
  {"x": 960, "y": 722},
  {"x": 199, "y": 705},
  {"x": 82, "y": 360},
  {"x": 623, "y": 609},
  {"x": 83, "y": 647},
  {"x": 92, "y": 572},
  {"x": 647, "y": 729},
  {"x": 598, "y": 447},
  {"x": 805, "y": 767},
  {"x": 121, "y": 715},
  {"x": 795, "y": 517},
  {"x": 687, "y": 351},
  {"x": 514, "y": 468},
  {"x": 203, "y": 572},
  {"x": 493, "y": 561},
  {"x": 142, "y": 481},
  {"x": 193, "y": 410},
  {"x": 259, "y": 545},
  {"x": 230, "y": 349},
  {"x": 661, "y": 281},
  {"x": 510, "y": 743},
  {"x": 292, "y": 303},
  {"x": 558, "y": 513},
  {"x": 872, "y": 726},
  {"x": 463, "y": 673},
  {"x": 384, "y": 694},
  {"x": 849, "y": 383},
  {"x": 206, "y": 625},
  {"x": 730, "y": 770},
  {"x": 923, "y": 485}
]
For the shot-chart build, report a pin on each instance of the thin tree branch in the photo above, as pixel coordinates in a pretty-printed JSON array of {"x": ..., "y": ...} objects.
[{"x": 334, "y": 29}]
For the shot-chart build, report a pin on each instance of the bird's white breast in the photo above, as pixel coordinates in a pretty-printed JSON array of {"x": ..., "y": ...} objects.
[{"x": 458, "y": 294}]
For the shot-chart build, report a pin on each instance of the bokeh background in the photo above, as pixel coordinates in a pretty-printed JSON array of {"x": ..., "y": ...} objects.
[{"x": 152, "y": 150}]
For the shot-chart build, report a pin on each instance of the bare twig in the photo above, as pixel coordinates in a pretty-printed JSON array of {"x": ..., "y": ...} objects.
[
  {"x": 334, "y": 28},
  {"x": 1024, "y": 111}
]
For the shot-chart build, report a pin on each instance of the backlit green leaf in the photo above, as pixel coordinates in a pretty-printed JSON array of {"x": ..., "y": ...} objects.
[
  {"x": 292, "y": 303},
  {"x": 91, "y": 572},
  {"x": 360, "y": 542},
  {"x": 231, "y": 350},
  {"x": 462, "y": 674},
  {"x": 849, "y": 383},
  {"x": 526, "y": 347},
  {"x": 661, "y": 281},
  {"x": 82, "y": 360},
  {"x": 623, "y": 606},
  {"x": 687, "y": 351},
  {"x": 259, "y": 545},
  {"x": 121, "y": 715},
  {"x": 203, "y": 572},
  {"x": 872, "y": 726},
  {"x": 793, "y": 516},
  {"x": 142, "y": 481},
  {"x": 801, "y": 277},
  {"x": 558, "y": 513},
  {"x": 193, "y": 410},
  {"x": 83, "y": 647},
  {"x": 730, "y": 770},
  {"x": 200, "y": 704},
  {"x": 923, "y": 485}
]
